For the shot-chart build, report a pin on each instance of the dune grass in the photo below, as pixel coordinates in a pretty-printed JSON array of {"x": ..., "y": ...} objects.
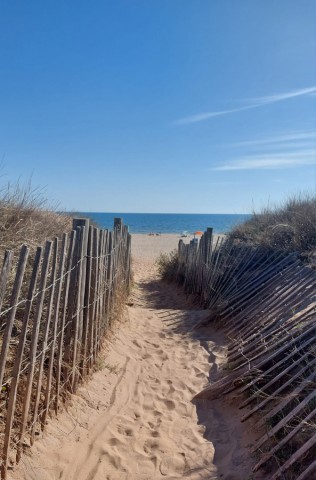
[
  {"x": 289, "y": 227},
  {"x": 26, "y": 217},
  {"x": 167, "y": 265}
]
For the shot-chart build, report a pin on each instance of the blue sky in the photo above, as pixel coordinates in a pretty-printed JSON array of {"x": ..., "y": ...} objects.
[{"x": 205, "y": 106}]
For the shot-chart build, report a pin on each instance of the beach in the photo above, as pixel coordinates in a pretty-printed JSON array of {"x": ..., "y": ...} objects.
[{"x": 149, "y": 247}]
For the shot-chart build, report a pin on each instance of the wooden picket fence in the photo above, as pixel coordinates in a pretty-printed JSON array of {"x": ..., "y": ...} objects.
[
  {"x": 266, "y": 302},
  {"x": 55, "y": 309}
]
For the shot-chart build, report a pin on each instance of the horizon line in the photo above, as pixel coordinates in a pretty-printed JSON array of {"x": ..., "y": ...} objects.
[{"x": 154, "y": 213}]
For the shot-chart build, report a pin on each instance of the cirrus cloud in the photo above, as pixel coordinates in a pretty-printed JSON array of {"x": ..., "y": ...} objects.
[{"x": 255, "y": 103}]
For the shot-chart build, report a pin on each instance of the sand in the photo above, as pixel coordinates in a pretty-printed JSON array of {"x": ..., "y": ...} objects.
[
  {"x": 135, "y": 419},
  {"x": 147, "y": 247}
]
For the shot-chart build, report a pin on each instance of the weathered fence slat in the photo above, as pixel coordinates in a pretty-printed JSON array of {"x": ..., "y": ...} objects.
[
  {"x": 18, "y": 362},
  {"x": 96, "y": 244},
  {"x": 273, "y": 395},
  {"x": 306, "y": 475},
  {"x": 56, "y": 305},
  {"x": 12, "y": 309},
  {"x": 284, "y": 440},
  {"x": 43, "y": 349},
  {"x": 86, "y": 309},
  {"x": 65, "y": 302},
  {"x": 33, "y": 346},
  {"x": 304, "y": 448}
]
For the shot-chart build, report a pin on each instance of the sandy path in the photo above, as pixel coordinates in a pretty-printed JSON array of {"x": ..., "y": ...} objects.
[{"x": 135, "y": 420}]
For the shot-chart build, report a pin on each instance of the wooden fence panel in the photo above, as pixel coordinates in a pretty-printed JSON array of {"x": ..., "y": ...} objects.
[
  {"x": 69, "y": 304},
  {"x": 266, "y": 303},
  {"x": 18, "y": 361},
  {"x": 12, "y": 309},
  {"x": 33, "y": 347}
]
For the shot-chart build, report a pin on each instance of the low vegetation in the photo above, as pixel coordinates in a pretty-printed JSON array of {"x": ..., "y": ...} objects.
[
  {"x": 167, "y": 265},
  {"x": 290, "y": 227},
  {"x": 27, "y": 218}
]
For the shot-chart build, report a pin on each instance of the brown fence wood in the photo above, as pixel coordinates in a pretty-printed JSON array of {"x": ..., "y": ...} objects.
[
  {"x": 56, "y": 306},
  {"x": 43, "y": 347},
  {"x": 12, "y": 308},
  {"x": 33, "y": 347},
  {"x": 18, "y": 361},
  {"x": 53, "y": 333},
  {"x": 265, "y": 301},
  {"x": 61, "y": 329}
]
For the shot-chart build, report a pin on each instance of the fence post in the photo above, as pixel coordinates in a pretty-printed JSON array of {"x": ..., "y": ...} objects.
[
  {"x": 208, "y": 244},
  {"x": 83, "y": 225},
  {"x": 61, "y": 349},
  {"x": 87, "y": 306},
  {"x": 118, "y": 223}
]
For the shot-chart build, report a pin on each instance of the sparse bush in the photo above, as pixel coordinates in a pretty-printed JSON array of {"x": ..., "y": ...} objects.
[
  {"x": 290, "y": 227},
  {"x": 167, "y": 265}
]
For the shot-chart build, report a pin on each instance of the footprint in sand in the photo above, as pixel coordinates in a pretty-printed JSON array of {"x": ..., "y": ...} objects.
[
  {"x": 156, "y": 413},
  {"x": 127, "y": 432},
  {"x": 114, "y": 442},
  {"x": 173, "y": 465},
  {"x": 169, "y": 404},
  {"x": 171, "y": 390},
  {"x": 151, "y": 445}
]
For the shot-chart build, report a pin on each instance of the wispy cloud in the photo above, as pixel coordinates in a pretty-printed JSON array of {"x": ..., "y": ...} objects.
[
  {"x": 286, "y": 149},
  {"x": 270, "y": 161},
  {"x": 200, "y": 117},
  {"x": 307, "y": 137},
  {"x": 255, "y": 103},
  {"x": 285, "y": 96}
]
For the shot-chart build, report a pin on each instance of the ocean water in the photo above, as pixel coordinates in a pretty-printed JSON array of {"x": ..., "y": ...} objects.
[{"x": 168, "y": 222}]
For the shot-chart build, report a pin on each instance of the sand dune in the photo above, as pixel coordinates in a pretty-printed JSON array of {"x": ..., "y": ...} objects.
[{"x": 135, "y": 420}]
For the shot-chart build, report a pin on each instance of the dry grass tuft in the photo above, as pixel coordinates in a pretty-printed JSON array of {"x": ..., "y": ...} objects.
[
  {"x": 27, "y": 218},
  {"x": 290, "y": 227},
  {"x": 167, "y": 265}
]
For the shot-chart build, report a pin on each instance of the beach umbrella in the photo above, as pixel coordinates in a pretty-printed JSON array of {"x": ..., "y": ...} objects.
[{"x": 198, "y": 232}]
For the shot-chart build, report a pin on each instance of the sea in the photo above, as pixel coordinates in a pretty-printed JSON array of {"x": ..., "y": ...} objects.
[{"x": 168, "y": 222}]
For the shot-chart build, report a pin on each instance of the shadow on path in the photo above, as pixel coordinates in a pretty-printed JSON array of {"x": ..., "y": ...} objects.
[{"x": 221, "y": 420}]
